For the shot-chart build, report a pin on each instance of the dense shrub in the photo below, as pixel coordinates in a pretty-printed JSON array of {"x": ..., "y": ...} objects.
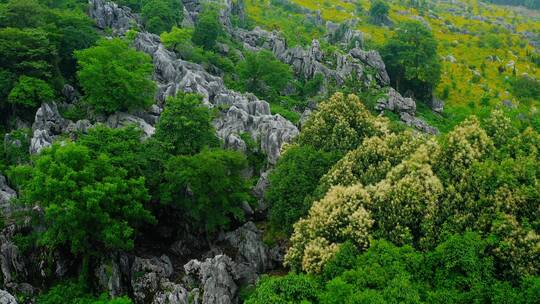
[
  {"x": 115, "y": 77},
  {"x": 89, "y": 204},
  {"x": 208, "y": 187},
  {"x": 186, "y": 125},
  {"x": 340, "y": 124},
  {"x": 292, "y": 182},
  {"x": 411, "y": 60}
]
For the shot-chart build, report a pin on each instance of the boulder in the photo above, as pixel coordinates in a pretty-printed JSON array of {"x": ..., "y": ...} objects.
[
  {"x": 436, "y": 104},
  {"x": 110, "y": 15},
  {"x": 250, "y": 250},
  {"x": 11, "y": 262},
  {"x": 6, "y": 194},
  {"x": 147, "y": 275},
  {"x": 120, "y": 119},
  {"x": 109, "y": 276},
  {"x": 393, "y": 101},
  {"x": 216, "y": 278},
  {"x": 48, "y": 123},
  {"x": 7, "y": 298},
  {"x": 171, "y": 293},
  {"x": 418, "y": 123},
  {"x": 260, "y": 190}
]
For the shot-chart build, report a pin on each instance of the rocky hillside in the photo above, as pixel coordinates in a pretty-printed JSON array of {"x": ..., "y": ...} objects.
[{"x": 282, "y": 151}]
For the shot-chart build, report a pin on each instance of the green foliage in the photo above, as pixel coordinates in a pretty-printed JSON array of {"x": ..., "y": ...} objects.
[
  {"x": 264, "y": 75},
  {"x": 186, "y": 125},
  {"x": 115, "y": 77},
  {"x": 22, "y": 14},
  {"x": 25, "y": 52},
  {"x": 526, "y": 88},
  {"x": 178, "y": 39},
  {"x": 378, "y": 13},
  {"x": 411, "y": 60},
  {"x": 16, "y": 152},
  {"x": 207, "y": 29},
  {"x": 90, "y": 205},
  {"x": 292, "y": 182},
  {"x": 208, "y": 187},
  {"x": 339, "y": 124},
  {"x": 30, "y": 92},
  {"x": 457, "y": 271},
  {"x": 122, "y": 146},
  {"x": 291, "y": 288},
  {"x": 74, "y": 31},
  {"x": 161, "y": 15},
  {"x": 75, "y": 293}
]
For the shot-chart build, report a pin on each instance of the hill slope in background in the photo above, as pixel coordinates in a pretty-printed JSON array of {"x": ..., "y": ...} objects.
[{"x": 482, "y": 46}]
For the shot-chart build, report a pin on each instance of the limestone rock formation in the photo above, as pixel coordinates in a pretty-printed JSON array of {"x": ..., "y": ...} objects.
[
  {"x": 250, "y": 249},
  {"x": 110, "y": 15},
  {"x": 119, "y": 120},
  {"x": 418, "y": 123},
  {"x": 6, "y": 194},
  {"x": 243, "y": 113},
  {"x": 147, "y": 275},
  {"x": 393, "y": 101},
  {"x": 309, "y": 62},
  {"x": 216, "y": 277},
  {"x": 48, "y": 124},
  {"x": 7, "y": 298}
]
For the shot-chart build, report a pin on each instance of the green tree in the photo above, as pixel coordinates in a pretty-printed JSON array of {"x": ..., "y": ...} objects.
[
  {"x": 291, "y": 288},
  {"x": 115, "y": 77},
  {"x": 208, "y": 187},
  {"x": 186, "y": 125},
  {"x": 89, "y": 204},
  {"x": 178, "y": 39},
  {"x": 207, "y": 29},
  {"x": 30, "y": 92},
  {"x": 292, "y": 182},
  {"x": 378, "y": 13},
  {"x": 22, "y": 14},
  {"x": 74, "y": 30},
  {"x": 26, "y": 52},
  {"x": 340, "y": 124},
  {"x": 122, "y": 146},
  {"x": 411, "y": 60},
  {"x": 264, "y": 75},
  {"x": 161, "y": 15}
]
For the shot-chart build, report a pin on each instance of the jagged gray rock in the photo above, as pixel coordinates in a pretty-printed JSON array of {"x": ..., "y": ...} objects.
[
  {"x": 309, "y": 62},
  {"x": 216, "y": 277},
  {"x": 11, "y": 261},
  {"x": 70, "y": 94},
  {"x": 109, "y": 276},
  {"x": 7, "y": 298},
  {"x": 250, "y": 250},
  {"x": 6, "y": 194},
  {"x": 48, "y": 123},
  {"x": 418, "y": 123},
  {"x": 110, "y": 15},
  {"x": 147, "y": 275},
  {"x": 171, "y": 293},
  {"x": 120, "y": 119},
  {"x": 393, "y": 101},
  {"x": 260, "y": 190},
  {"x": 243, "y": 113},
  {"x": 344, "y": 33}
]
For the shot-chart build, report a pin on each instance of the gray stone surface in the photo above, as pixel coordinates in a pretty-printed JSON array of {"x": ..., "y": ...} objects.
[
  {"x": 6, "y": 194},
  {"x": 7, "y": 298}
]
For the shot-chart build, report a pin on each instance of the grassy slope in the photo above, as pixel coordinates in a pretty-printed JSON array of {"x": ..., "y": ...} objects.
[{"x": 470, "y": 50}]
